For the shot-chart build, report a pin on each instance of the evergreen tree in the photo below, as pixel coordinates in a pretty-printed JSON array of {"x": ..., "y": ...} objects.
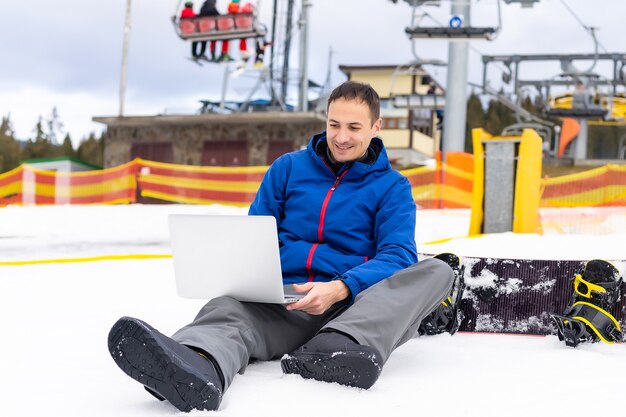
[
  {"x": 45, "y": 143},
  {"x": 67, "y": 149},
  {"x": 39, "y": 146},
  {"x": 91, "y": 149},
  {"x": 54, "y": 127},
  {"x": 9, "y": 146},
  {"x": 475, "y": 118},
  {"x": 498, "y": 117}
]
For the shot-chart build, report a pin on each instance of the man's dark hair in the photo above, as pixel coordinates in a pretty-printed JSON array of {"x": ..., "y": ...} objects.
[{"x": 361, "y": 92}]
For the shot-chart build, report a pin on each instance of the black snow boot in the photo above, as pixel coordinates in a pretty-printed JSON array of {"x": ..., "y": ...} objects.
[
  {"x": 444, "y": 317},
  {"x": 335, "y": 357},
  {"x": 166, "y": 368}
]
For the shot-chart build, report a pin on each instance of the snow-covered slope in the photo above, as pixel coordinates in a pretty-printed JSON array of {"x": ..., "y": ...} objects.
[{"x": 56, "y": 317}]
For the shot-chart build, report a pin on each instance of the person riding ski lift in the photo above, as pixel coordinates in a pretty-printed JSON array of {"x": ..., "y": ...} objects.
[
  {"x": 188, "y": 13},
  {"x": 209, "y": 9},
  {"x": 234, "y": 7}
]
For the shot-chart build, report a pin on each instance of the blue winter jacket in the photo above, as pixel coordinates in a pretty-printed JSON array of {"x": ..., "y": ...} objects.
[{"x": 358, "y": 225}]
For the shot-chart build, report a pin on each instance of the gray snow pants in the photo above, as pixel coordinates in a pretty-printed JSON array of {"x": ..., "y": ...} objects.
[{"x": 384, "y": 316}]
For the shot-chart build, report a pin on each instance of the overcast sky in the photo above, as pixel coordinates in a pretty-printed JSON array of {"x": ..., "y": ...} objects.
[{"x": 67, "y": 53}]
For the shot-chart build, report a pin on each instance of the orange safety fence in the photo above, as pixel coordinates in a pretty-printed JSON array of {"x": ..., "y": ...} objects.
[
  {"x": 238, "y": 185},
  {"x": 199, "y": 185},
  {"x": 11, "y": 186},
  {"x": 441, "y": 187},
  {"x": 28, "y": 185},
  {"x": 604, "y": 186},
  {"x": 446, "y": 185}
]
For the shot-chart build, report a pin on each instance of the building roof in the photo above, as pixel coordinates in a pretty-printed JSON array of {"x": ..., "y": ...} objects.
[
  {"x": 210, "y": 118},
  {"x": 347, "y": 69},
  {"x": 61, "y": 159}
]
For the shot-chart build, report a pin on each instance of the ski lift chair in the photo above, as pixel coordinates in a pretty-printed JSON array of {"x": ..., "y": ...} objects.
[
  {"x": 218, "y": 28},
  {"x": 460, "y": 33},
  {"x": 455, "y": 31},
  {"x": 583, "y": 102},
  {"x": 569, "y": 105}
]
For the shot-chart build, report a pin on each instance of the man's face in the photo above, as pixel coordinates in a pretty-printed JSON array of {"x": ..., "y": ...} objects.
[{"x": 349, "y": 129}]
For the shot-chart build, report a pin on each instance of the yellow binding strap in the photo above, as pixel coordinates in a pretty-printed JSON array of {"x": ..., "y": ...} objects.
[
  {"x": 588, "y": 323},
  {"x": 578, "y": 279}
]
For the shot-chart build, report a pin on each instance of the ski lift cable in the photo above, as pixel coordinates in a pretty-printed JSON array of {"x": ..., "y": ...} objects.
[
  {"x": 591, "y": 31},
  {"x": 588, "y": 29},
  {"x": 177, "y": 10},
  {"x": 290, "y": 33}
]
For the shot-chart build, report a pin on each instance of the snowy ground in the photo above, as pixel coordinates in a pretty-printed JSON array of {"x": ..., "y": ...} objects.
[{"x": 55, "y": 320}]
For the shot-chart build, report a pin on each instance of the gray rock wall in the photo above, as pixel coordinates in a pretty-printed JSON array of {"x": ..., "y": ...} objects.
[{"x": 188, "y": 139}]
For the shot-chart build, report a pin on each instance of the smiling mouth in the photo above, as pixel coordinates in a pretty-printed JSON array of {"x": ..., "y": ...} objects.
[{"x": 343, "y": 148}]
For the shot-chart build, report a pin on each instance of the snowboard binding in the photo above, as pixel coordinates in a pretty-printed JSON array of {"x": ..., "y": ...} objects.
[
  {"x": 444, "y": 317},
  {"x": 587, "y": 318}
]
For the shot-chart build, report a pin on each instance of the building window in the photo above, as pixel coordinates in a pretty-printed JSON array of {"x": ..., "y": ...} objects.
[
  {"x": 225, "y": 153},
  {"x": 152, "y": 151},
  {"x": 422, "y": 121},
  {"x": 395, "y": 123}
]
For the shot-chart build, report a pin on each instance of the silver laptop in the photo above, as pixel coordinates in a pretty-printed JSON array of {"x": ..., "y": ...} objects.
[{"x": 234, "y": 256}]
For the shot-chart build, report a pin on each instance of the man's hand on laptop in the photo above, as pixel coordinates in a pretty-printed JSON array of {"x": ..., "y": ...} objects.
[{"x": 321, "y": 295}]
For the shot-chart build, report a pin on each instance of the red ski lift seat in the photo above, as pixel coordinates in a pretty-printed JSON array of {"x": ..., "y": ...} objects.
[
  {"x": 225, "y": 22},
  {"x": 244, "y": 21},
  {"x": 187, "y": 26},
  {"x": 206, "y": 24}
]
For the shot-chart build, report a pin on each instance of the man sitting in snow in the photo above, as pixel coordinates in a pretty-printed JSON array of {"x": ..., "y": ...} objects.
[{"x": 346, "y": 224}]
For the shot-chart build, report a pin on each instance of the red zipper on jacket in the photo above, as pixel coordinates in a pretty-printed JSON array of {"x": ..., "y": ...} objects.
[
  {"x": 320, "y": 228},
  {"x": 309, "y": 261}
]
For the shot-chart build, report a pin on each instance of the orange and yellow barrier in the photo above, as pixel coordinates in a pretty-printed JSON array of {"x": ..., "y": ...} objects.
[
  {"x": 442, "y": 187},
  {"x": 604, "y": 186},
  {"x": 28, "y": 185},
  {"x": 199, "y": 185},
  {"x": 446, "y": 185},
  {"x": 11, "y": 186}
]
